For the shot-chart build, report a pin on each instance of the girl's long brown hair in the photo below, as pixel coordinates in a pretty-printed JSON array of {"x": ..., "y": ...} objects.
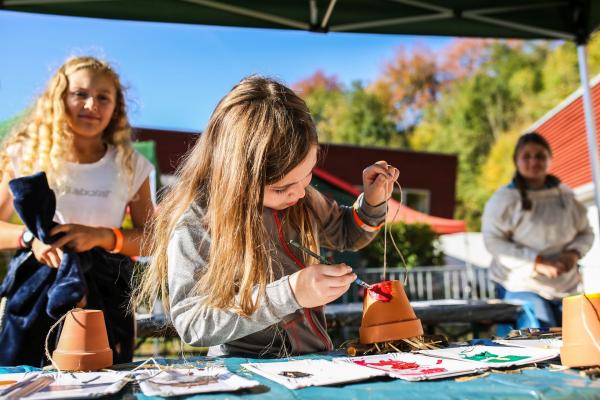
[
  {"x": 257, "y": 134},
  {"x": 44, "y": 136}
]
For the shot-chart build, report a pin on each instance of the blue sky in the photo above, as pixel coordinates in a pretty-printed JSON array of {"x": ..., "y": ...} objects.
[{"x": 177, "y": 73}]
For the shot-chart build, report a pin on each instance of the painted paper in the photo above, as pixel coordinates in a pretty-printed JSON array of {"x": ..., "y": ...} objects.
[
  {"x": 297, "y": 374},
  {"x": 494, "y": 356},
  {"x": 413, "y": 366},
  {"x": 187, "y": 381}
]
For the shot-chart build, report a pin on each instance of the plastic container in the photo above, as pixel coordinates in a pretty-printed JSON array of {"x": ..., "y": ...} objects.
[{"x": 581, "y": 331}]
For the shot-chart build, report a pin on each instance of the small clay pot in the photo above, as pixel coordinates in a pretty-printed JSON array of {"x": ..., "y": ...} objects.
[
  {"x": 83, "y": 343},
  {"x": 581, "y": 328},
  {"x": 388, "y": 315}
]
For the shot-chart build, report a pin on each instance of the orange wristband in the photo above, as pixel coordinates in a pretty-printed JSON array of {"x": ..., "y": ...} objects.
[
  {"x": 118, "y": 240},
  {"x": 362, "y": 224}
]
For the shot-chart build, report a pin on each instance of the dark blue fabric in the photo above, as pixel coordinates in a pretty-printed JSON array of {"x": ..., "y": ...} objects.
[{"x": 38, "y": 295}]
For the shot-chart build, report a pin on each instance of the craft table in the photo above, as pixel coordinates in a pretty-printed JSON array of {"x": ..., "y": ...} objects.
[{"x": 538, "y": 383}]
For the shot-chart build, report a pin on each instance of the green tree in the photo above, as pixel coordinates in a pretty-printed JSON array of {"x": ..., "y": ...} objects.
[
  {"x": 8, "y": 124},
  {"x": 352, "y": 116},
  {"x": 362, "y": 119},
  {"x": 408, "y": 83},
  {"x": 474, "y": 112},
  {"x": 418, "y": 243},
  {"x": 498, "y": 168}
]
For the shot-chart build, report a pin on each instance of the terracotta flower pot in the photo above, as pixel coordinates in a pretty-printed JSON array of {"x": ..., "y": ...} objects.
[
  {"x": 581, "y": 331},
  {"x": 388, "y": 315},
  {"x": 83, "y": 343}
]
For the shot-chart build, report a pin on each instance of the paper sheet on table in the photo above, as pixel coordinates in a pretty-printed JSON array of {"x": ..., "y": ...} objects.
[
  {"x": 71, "y": 385},
  {"x": 415, "y": 367},
  {"x": 296, "y": 374},
  {"x": 494, "y": 356},
  {"x": 180, "y": 382},
  {"x": 552, "y": 343}
]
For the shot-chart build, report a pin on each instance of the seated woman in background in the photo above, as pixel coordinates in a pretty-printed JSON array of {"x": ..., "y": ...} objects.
[{"x": 537, "y": 232}]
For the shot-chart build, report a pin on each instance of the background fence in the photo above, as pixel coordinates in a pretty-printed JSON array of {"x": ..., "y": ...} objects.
[{"x": 431, "y": 283}]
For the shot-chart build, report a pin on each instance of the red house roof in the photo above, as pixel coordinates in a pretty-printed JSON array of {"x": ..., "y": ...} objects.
[
  {"x": 398, "y": 212},
  {"x": 564, "y": 128}
]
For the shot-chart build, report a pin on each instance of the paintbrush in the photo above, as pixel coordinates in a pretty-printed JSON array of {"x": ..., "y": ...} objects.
[{"x": 323, "y": 260}]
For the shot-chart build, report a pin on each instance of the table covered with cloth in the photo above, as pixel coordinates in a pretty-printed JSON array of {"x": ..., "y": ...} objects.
[{"x": 527, "y": 383}]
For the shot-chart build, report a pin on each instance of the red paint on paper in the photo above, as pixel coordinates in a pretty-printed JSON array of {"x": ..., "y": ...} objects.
[{"x": 408, "y": 368}]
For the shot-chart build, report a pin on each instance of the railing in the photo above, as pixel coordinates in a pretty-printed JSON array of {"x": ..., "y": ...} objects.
[{"x": 432, "y": 283}]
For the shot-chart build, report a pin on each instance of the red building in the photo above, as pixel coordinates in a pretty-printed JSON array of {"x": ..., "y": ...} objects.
[
  {"x": 564, "y": 128},
  {"x": 427, "y": 179}
]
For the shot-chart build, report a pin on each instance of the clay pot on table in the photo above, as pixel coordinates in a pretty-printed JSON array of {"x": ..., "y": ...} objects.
[
  {"x": 388, "y": 315},
  {"x": 83, "y": 343},
  {"x": 581, "y": 331}
]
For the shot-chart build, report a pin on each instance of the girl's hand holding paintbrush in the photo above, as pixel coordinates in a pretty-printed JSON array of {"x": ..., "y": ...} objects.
[
  {"x": 320, "y": 284},
  {"x": 378, "y": 182}
]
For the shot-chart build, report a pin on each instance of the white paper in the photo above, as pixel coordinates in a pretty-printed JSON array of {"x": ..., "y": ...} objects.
[
  {"x": 296, "y": 374},
  {"x": 180, "y": 382},
  {"x": 76, "y": 385},
  {"x": 494, "y": 356},
  {"x": 414, "y": 367},
  {"x": 550, "y": 343}
]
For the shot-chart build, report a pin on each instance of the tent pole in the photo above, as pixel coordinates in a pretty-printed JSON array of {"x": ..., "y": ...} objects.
[{"x": 589, "y": 123}]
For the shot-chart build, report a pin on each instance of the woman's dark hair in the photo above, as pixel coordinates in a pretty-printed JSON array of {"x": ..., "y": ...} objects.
[{"x": 518, "y": 179}]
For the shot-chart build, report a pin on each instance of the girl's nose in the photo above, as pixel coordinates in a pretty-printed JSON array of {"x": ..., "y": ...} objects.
[{"x": 90, "y": 103}]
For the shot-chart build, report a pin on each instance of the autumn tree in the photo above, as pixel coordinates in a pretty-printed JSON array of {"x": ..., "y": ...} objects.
[
  {"x": 408, "y": 83},
  {"x": 347, "y": 115}
]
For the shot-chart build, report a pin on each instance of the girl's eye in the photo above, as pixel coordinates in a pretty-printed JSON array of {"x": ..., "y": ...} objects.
[
  {"x": 80, "y": 94},
  {"x": 104, "y": 99},
  {"x": 280, "y": 191}
]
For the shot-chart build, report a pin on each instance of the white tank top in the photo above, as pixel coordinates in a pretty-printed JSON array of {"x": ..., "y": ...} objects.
[{"x": 97, "y": 194}]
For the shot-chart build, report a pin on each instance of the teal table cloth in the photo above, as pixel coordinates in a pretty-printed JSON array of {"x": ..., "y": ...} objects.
[{"x": 535, "y": 383}]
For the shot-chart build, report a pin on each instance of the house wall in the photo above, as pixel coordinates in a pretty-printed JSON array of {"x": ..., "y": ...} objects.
[
  {"x": 170, "y": 146},
  {"x": 432, "y": 172}
]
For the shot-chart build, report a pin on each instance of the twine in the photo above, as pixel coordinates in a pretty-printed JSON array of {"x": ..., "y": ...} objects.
[
  {"x": 46, "y": 350},
  {"x": 387, "y": 232}
]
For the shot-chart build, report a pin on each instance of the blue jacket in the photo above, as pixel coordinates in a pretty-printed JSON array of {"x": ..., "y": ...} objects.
[{"x": 37, "y": 295}]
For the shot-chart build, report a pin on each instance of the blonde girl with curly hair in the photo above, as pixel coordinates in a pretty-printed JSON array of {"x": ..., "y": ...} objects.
[
  {"x": 220, "y": 255},
  {"x": 78, "y": 133}
]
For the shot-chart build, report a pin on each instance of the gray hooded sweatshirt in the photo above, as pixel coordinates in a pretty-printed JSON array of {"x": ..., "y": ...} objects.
[{"x": 279, "y": 326}]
